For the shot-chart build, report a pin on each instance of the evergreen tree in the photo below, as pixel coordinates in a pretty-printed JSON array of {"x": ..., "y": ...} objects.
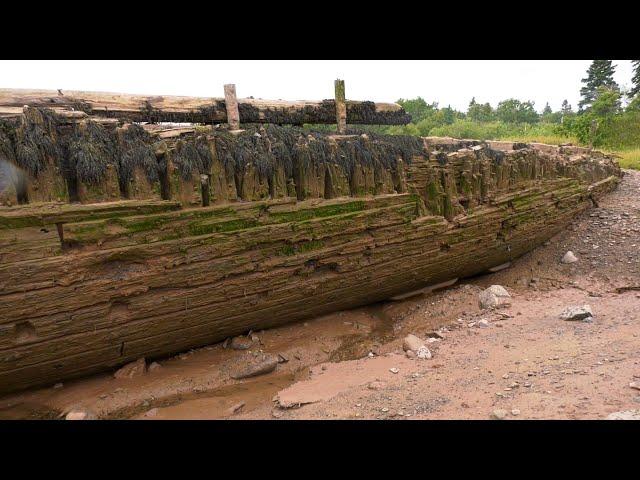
[
  {"x": 635, "y": 80},
  {"x": 599, "y": 74},
  {"x": 566, "y": 108}
]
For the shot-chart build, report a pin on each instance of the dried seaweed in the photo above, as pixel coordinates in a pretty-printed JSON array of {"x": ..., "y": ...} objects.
[{"x": 135, "y": 150}]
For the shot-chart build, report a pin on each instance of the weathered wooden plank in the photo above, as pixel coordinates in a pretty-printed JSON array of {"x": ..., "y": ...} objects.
[
  {"x": 34, "y": 215},
  {"x": 181, "y": 109}
]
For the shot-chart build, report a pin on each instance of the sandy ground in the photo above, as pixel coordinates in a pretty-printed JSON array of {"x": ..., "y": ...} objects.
[{"x": 350, "y": 365}]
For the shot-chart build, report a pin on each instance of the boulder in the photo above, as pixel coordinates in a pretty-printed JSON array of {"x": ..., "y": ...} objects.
[
  {"x": 133, "y": 369},
  {"x": 495, "y": 296},
  {"x": 574, "y": 313}
]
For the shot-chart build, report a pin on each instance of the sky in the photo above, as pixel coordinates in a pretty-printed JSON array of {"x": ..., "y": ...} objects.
[{"x": 448, "y": 82}]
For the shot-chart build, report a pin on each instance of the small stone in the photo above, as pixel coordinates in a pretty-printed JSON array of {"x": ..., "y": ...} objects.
[
  {"x": 626, "y": 415},
  {"x": 151, "y": 413},
  {"x": 569, "y": 257},
  {"x": 410, "y": 354},
  {"x": 58, "y": 386},
  {"x": 394, "y": 370},
  {"x": 573, "y": 313},
  {"x": 423, "y": 353},
  {"x": 241, "y": 343},
  {"x": 483, "y": 323},
  {"x": 266, "y": 365},
  {"x": 81, "y": 415},
  {"x": 494, "y": 296},
  {"x": 411, "y": 342},
  {"x": 133, "y": 369},
  {"x": 154, "y": 366},
  {"x": 635, "y": 385},
  {"x": 376, "y": 385},
  {"x": 515, "y": 412},
  {"x": 498, "y": 414}
]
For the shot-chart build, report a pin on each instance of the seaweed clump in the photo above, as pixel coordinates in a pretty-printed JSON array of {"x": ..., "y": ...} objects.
[
  {"x": 193, "y": 155},
  {"x": 91, "y": 149},
  {"x": 36, "y": 142},
  {"x": 135, "y": 150},
  {"x": 7, "y": 142}
]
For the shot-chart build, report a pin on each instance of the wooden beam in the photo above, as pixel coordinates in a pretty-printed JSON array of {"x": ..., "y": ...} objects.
[
  {"x": 231, "y": 102},
  {"x": 341, "y": 107},
  {"x": 160, "y": 108}
]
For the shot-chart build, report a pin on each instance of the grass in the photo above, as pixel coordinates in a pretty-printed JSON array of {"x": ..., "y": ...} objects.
[{"x": 630, "y": 158}]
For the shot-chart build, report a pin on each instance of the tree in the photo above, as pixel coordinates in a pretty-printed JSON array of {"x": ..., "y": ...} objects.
[
  {"x": 599, "y": 74},
  {"x": 480, "y": 112},
  {"x": 515, "y": 111},
  {"x": 418, "y": 108},
  {"x": 606, "y": 103},
  {"x": 549, "y": 116},
  {"x": 635, "y": 80},
  {"x": 566, "y": 108}
]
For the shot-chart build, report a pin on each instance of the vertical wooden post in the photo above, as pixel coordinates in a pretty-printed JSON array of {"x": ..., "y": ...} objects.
[
  {"x": 230, "y": 100},
  {"x": 341, "y": 107}
]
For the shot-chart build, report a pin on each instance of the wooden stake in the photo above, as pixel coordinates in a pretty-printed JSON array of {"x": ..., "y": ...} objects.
[
  {"x": 341, "y": 107},
  {"x": 230, "y": 100}
]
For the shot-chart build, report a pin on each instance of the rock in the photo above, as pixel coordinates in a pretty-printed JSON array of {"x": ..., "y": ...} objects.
[
  {"x": 133, "y": 369},
  {"x": 423, "y": 353},
  {"x": 78, "y": 414},
  {"x": 436, "y": 335},
  {"x": 241, "y": 343},
  {"x": 569, "y": 257},
  {"x": 515, "y": 412},
  {"x": 282, "y": 358},
  {"x": 394, "y": 370},
  {"x": 498, "y": 414},
  {"x": 151, "y": 413},
  {"x": 376, "y": 385},
  {"x": 577, "y": 313},
  {"x": 635, "y": 385},
  {"x": 410, "y": 354},
  {"x": 494, "y": 296},
  {"x": 411, "y": 342},
  {"x": 626, "y": 415},
  {"x": 483, "y": 324},
  {"x": 266, "y": 365},
  {"x": 58, "y": 386},
  {"x": 154, "y": 366}
]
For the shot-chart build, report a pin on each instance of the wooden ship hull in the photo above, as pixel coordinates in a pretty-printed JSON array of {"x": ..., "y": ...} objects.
[{"x": 87, "y": 287}]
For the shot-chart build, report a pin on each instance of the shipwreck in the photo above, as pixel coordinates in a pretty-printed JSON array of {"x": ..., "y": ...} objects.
[{"x": 136, "y": 226}]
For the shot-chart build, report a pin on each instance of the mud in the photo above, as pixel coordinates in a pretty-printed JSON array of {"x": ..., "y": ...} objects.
[{"x": 527, "y": 362}]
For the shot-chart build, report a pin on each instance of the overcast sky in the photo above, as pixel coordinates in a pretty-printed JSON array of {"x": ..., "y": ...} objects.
[{"x": 448, "y": 82}]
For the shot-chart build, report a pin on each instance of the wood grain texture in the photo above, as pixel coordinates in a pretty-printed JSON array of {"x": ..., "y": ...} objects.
[{"x": 150, "y": 278}]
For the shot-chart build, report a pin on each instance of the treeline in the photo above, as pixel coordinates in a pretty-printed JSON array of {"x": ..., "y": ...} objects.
[{"x": 606, "y": 116}]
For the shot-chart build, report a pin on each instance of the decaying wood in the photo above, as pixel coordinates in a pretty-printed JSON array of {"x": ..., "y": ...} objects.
[
  {"x": 231, "y": 103},
  {"x": 150, "y": 278},
  {"x": 341, "y": 107},
  {"x": 180, "y": 109}
]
